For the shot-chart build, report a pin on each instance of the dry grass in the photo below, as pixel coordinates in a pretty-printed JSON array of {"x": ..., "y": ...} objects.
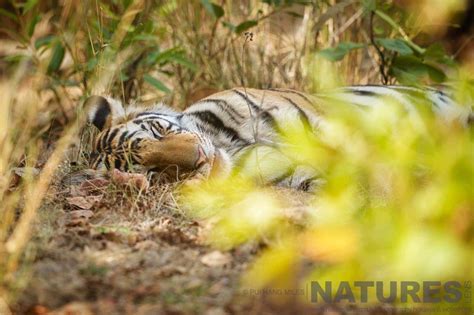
[{"x": 21, "y": 146}]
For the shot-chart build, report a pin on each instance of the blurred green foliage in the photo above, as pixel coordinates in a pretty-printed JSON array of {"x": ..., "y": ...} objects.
[
  {"x": 396, "y": 204},
  {"x": 397, "y": 200},
  {"x": 177, "y": 47}
]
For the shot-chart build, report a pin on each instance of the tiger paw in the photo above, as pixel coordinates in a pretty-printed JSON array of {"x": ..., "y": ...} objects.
[{"x": 135, "y": 180}]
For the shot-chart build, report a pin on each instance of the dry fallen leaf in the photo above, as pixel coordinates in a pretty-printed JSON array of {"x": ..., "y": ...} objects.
[
  {"x": 75, "y": 191},
  {"x": 215, "y": 311},
  {"x": 219, "y": 286},
  {"x": 78, "y": 177},
  {"x": 74, "y": 308},
  {"x": 81, "y": 214},
  {"x": 136, "y": 180},
  {"x": 147, "y": 309},
  {"x": 78, "y": 218},
  {"x": 87, "y": 187},
  {"x": 146, "y": 245},
  {"x": 20, "y": 172},
  {"x": 84, "y": 202},
  {"x": 94, "y": 184},
  {"x": 40, "y": 310},
  {"x": 216, "y": 259},
  {"x": 205, "y": 227}
]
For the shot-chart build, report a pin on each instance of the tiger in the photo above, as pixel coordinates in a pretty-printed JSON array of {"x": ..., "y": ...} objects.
[{"x": 212, "y": 137}]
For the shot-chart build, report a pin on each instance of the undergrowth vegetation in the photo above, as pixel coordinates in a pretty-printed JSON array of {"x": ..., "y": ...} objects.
[
  {"x": 396, "y": 201},
  {"x": 395, "y": 204}
]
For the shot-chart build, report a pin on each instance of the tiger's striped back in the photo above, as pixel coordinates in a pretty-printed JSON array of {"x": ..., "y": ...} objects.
[
  {"x": 237, "y": 129},
  {"x": 241, "y": 117}
]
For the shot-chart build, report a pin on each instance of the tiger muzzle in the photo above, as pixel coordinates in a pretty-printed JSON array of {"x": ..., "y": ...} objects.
[{"x": 183, "y": 152}]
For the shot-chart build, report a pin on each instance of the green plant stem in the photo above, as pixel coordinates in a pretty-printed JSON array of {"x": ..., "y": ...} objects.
[{"x": 397, "y": 27}]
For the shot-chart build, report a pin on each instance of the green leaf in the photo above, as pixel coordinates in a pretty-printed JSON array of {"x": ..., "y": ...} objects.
[
  {"x": 378, "y": 30},
  {"x": 404, "y": 77},
  {"x": 57, "y": 58},
  {"x": 229, "y": 26},
  {"x": 394, "y": 44},
  {"x": 242, "y": 27},
  {"x": 91, "y": 64},
  {"x": 175, "y": 54},
  {"x": 410, "y": 69},
  {"x": 32, "y": 24},
  {"x": 410, "y": 63},
  {"x": 208, "y": 6},
  {"x": 369, "y": 5},
  {"x": 43, "y": 41},
  {"x": 160, "y": 57},
  {"x": 8, "y": 14},
  {"x": 397, "y": 27},
  {"x": 436, "y": 74},
  {"x": 214, "y": 9},
  {"x": 156, "y": 83},
  {"x": 30, "y": 4},
  {"x": 123, "y": 76},
  {"x": 338, "y": 52},
  {"x": 152, "y": 57},
  {"x": 145, "y": 38},
  {"x": 436, "y": 53},
  {"x": 218, "y": 10},
  {"x": 16, "y": 58},
  {"x": 182, "y": 60}
]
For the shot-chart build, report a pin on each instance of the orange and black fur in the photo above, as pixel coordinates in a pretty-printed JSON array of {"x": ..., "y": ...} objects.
[{"x": 214, "y": 135}]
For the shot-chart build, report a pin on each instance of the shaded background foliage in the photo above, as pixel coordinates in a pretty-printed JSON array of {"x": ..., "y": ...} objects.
[{"x": 182, "y": 47}]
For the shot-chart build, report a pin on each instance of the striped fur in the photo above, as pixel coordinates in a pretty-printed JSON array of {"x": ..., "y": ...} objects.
[{"x": 238, "y": 129}]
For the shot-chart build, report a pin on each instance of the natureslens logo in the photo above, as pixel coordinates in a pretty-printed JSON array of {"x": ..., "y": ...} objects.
[{"x": 392, "y": 291}]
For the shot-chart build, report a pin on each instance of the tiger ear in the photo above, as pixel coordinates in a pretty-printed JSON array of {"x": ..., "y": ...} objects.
[{"x": 102, "y": 111}]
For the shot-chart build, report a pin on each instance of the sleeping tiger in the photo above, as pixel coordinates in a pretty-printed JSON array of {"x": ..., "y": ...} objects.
[{"x": 216, "y": 135}]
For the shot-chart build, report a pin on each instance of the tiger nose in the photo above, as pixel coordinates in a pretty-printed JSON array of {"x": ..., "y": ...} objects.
[{"x": 202, "y": 158}]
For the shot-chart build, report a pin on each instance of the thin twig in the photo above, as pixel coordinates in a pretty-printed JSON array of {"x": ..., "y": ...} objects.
[
  {"x": 213, "y": 35},
  {"x": 348, "y": 23},
  {"x": 464, "y": 45},
  {"x": 379, "y": 51}
]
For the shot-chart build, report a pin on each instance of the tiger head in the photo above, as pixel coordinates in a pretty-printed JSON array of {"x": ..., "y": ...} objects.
[{"x": 157, "y": 139}]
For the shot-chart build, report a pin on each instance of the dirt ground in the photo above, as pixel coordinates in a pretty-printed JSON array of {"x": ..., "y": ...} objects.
[
  {"x": 101, "y": 247},
  {"x": 104, "y": 248},
  {"x": 115, "y": 250}
]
